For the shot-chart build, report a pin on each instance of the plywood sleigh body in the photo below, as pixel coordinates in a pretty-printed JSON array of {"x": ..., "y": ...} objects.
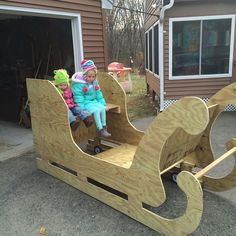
[{"x": 128, "y": 176}]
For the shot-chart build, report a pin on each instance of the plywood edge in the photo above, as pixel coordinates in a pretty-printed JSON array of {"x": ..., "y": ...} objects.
[{"x": 182, "y": 225}]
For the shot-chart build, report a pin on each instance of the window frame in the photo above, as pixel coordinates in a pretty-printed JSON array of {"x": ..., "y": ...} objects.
[
  {"x": 150, "y": 62},
  {"x": 201, "y": 19},
  {"x": 158, "y": 49},
  {"x": 146, "y": 50},
  {"x": 147, "y": 56}
]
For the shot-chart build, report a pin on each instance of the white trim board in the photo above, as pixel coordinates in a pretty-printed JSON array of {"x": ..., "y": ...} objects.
[
  {"x": 75, "y": 25},
  {"x": 197, "y": 18}
]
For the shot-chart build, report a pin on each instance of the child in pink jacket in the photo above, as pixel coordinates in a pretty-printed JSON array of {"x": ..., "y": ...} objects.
[{"x": 62, "y": 83}]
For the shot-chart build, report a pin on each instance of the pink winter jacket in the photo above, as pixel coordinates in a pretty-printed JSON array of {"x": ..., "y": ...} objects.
[{"x": 68, "y": 96}]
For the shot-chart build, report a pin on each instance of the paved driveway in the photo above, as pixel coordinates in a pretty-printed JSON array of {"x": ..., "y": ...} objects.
[{"x": 30, "y": 199}]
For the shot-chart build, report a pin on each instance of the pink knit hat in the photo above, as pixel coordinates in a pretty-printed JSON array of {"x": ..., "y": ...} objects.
[{"x": 87, "y": 65}]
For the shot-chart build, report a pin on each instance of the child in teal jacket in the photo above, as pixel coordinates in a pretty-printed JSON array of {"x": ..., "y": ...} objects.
[{"x": 88, "y": 95}]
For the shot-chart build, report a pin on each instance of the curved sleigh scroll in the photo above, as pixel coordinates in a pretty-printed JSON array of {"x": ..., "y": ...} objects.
[
  {"x": 204, "y": 152},
  {"x": 216, "y": 104},
  {"x": 227, "y": 182},
  {"x": 185, "y": 224}
]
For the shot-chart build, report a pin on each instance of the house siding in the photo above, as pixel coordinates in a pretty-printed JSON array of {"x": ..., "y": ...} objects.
[
  {"x": 152, "y": 81},
  {"x": 175, "y": 89},
  {"x": 92, "y": 20}
]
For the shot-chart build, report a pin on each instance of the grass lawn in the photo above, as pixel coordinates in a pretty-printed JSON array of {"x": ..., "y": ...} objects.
[{"x": 139, "y": 104}]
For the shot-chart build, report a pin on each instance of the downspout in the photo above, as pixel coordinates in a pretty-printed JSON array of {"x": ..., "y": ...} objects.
[{"x": 161, "y": 50}]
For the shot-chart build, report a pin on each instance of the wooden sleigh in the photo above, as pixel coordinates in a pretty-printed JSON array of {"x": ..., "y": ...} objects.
[{"x": 129, "y": 176}]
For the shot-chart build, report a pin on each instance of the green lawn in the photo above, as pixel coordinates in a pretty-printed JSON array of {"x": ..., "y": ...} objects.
[{"x": 138, "y": 103}]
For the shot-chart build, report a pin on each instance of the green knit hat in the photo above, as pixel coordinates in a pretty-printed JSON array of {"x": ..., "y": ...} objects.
[{"x": 61, "y": 77}]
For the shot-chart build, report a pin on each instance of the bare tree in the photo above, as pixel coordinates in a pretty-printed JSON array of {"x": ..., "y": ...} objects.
[{"x": 125, "y": 31}]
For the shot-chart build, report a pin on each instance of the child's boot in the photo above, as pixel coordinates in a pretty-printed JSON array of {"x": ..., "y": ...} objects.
[
  {"x": 88, "y": 121},
  {"x": 75, "y": 124},
  {"x": 103, "y": 133},
  {"x": 105, "y": 127}
]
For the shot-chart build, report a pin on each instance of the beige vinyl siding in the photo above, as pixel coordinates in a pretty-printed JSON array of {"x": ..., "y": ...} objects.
[
  {"x": 92, "y": 22},
  {"x": 202, "y": 88},
  {"x": 175, "y": 89},
  {"x": 153, "y": 82}
]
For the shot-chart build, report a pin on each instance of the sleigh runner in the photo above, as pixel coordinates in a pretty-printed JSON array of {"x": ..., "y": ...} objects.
[{"x": 129, "y": 175}]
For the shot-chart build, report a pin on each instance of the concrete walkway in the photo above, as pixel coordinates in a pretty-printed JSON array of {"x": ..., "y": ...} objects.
[
  {"x": 30, "y": 199},
  {"x": 14, "y": 140}
]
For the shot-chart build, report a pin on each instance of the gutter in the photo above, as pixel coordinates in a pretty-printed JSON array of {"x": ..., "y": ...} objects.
[{"x": 161, "y": 50}]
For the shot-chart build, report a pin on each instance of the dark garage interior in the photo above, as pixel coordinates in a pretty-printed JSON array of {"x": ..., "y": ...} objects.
[{"x": 31, "y": 47}]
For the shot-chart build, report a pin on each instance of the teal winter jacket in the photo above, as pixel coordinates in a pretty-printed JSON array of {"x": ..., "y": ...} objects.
[{"x": 86, "y": 94}]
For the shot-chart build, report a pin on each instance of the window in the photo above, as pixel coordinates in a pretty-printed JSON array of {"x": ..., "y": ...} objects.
[
  {"x": 146, "y": 50},
  {"x": 156, "y": 49},
  {"x": 186, "y": 39},
  {"x": 150, "y": 50},
  {"x": 216, "y": 46},
  {"x": 201, "y": 47}
]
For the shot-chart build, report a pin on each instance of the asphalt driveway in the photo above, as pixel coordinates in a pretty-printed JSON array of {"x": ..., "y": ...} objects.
[{"x": 30, "y": 199}]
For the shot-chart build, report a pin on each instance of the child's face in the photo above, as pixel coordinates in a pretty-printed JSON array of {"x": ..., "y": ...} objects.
[
  {"x": 91, "y": 76},
  {"x": 62, "y": 86}
]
